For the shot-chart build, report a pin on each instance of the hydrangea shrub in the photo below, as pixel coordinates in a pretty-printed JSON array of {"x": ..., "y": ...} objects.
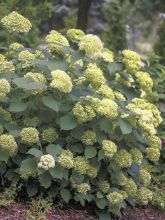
[{"x": 76, "y": 122}]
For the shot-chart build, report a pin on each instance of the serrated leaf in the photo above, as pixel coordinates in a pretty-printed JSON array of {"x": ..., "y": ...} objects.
[
  {"x": 51, "y": 102},
  {"x": 68, "y": 122},
  {"x": 17, "y": 106},
  {"x": 54, "y": 150},
  {"x": 65, "y": 194},
  {"x": 35, "y": 152},
  {"x": 124, "y": 126},
  {"x": 90, "y": 152}
]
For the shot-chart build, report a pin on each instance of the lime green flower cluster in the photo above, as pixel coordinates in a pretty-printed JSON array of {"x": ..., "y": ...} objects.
[
  {"x": 137, "y": 156},
  {"x": 94, "y": 75},
  {"x": 15, "y": 46},
  {"x": 109, "y": 148},
  {"x": 26, "y": 58},
  {"x": 56, "y": 41},
  {"x": 131, "y": 60},
  {"x": 92, "y": 172},
  {"x": 81, "y": 164},
  {"x": 154, "y": 141},
  {"x": 5, "y": 115},
  {"x": 145, "y": 81},
  {"x": 91, "y": 44},
  {"x": 15, "y": 22},
  {"x": 4, "y": 87},
  {"x": 122, "y": 179},
  {"x": 8, "y": 143},
  {"x": 119, "y": 96},
  {"x": 28, "y": 173},
  {"x": 46, "y": 162},
  {"x": 29, "y": 135},
  {"x": 89, "y": 137},
  {"x": 130, "y": 187},
  {"x": 145, "y": 177},
  {"x": 83, "y": 188},
  {"x": 144, "y": 196},
  {"x": 75, "y": 34},
  {"x": 127, "y": 82},
  {"x": 83, "y": 113},
  {"x": 107, "y": 55},
  {"x": 80, "y": 80},
  {"x": 123, "y": 158},
  {"x": 61, "y": 81},
  {"x": 1, "y": 129},
  {"x": 104, "y": 186},
  {"x": 153, "y": 153},
  {"x": 49, "y": 135},
  {"x": 5, "y": 65},
  {"x": 106, "y": 92},
  {"x": 108, "y": 108},
  {"x": 66, "y": 159},
  {"x": 115, "y": 198}
]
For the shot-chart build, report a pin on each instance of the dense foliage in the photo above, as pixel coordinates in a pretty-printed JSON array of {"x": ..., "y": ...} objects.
[{"x": 76, "y": 122}]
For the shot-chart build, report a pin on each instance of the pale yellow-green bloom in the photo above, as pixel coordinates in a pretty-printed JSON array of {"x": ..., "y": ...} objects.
[
  {"x": 66, "y": 159},
  {"x": 49, "y": 135},
  {"x": 137, "y": 156},
  {"x": 4, "y": 87},
  {"x": 15, "y": 46},
  {"x": 123, "y": 158},
  {"x": 81, "y": 165},
  {"x": 92, "y": 172},
  {"x": 46, "y": 162},
  {"x": 15, "y": 22},
  {"x": 130, "y": 187},
  {"x": 83, "y": 188},
  {"x": 144, "y": 196},
  {"x": 6, "y": 66},
  {"x": 89, "y": 137},
  {"x": 5, "y": 115},
  {"x": 75, "y": 34},
  {"x": 115, "y": 198},
  {"x": 106, "y": 92},
  {"x": 153, "y": 154},
  {"x": 109, "y": 148},
  {"x": 108, "y": 108},
  {"x": 104, "y": 186},
  {"x": 29, "y": 135},
  {"x": 95, "y": 75},
  {"x": 145, "y": 81},
  {"x": 61, "y": 81},
  {"x": 80, "y": 80},
  {"x": 145, "y": 177},
  {"x": 26, "y": 58},
  {"x": 154, "y": 141},
  {"x": 91, "y": 44},
  {"x": 107, "y": 55},
  {"x": 2, "y": 57},
  {"x": 8, "y": 143},
  {"x": 119, "y": 96}
]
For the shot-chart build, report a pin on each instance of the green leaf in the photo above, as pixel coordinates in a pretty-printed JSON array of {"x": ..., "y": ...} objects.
[
  {"x": 65, "y": 194},
  {"x": 28, "y": 165},
  {"x": 51, "y": 102},
  {"x": 124, "y": 126},
  {"x": 90, "y": 152},
  {"x": 14, "y": 133},
  {"x": 104, "y": 216},
  {"x": 32, "y": 190},
  {"x": 57, "y": 172},
  {"x": 99, "y": 195},
  {"x": 17, "y": 106},
  {"x": 105, "y": 125},
  {"x": 115, "y": 67},
  {"x": 101, "y": 155},
  {"x": 68, "y": 122},
  {"x": 54, "y": 150},
  {"x": 26, "y": 83},
  {"x": 101, "y": 203},
  {"x": 35, "y": 152},
  {"x": 45, "y": 180},
  {"x": 4, "y": 156}
]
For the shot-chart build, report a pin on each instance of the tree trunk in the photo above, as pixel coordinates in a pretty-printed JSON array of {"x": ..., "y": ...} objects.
[{"x": 83, "y": 10}]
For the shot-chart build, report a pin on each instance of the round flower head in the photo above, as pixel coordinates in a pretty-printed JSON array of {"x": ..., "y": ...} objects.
[
  {"x": 75, "y": 34},
  {"x": 154, "y": 141},
  {"x": 29, "y": 135},
  {"x": 2, "y": 58},
  {"x": 92, "y": 172},
  {"x": 89, "y": 137},
  {"x": 106, "y": 92},
  {"x": 104, "y": 186},
  {"x": 1, "y": 129},
  {"x": 56, "y": 41},
  {"x": 91, "y": 44},
  {"x": 4, "y": 87},
  {"x": 8, "y": 143},
  {"x": 81, "y": 165},
  {"x": 108, "y": 108},
  {"x": 144, "y": 196},
  {"x": 61, "y": 81},
  {"x": 6, "y": 67},
  {"x": 107, "y": 55},
  {"x": 145, "y": 81},
  {"x": 119, "y": 96},
  {"x": 49, "y": 135},
  {"x": 5, "y": 115},
  {"x": 131, "y": 60},
  {"x": 15, "y": 46},
  {"x": 46, "y": 162},
  {"x": 26, "y": 58},
  {"x": 94, "y": 75},
  {"x": 130, "y": 187},
  {"x": 122, "y": 179},
  {"x": 66, "y": 159},
  {"x": 109, "y": 148},
  {"x": 145, "y": 177},
  {"x": 15, "y": 22},
  {"x": 153, "y": 154},
  {"x": 83, "y": 113},
  {"x": 27, "y": 174},
  {"x": 115, "y": 198},
  {"x": 83, "y": 188},
  {"x": 123, "y": 159},
  {"x": 137, "y": 156}
]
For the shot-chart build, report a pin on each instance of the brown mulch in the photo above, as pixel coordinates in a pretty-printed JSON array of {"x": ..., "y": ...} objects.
[{"x": 16, "y": 211}]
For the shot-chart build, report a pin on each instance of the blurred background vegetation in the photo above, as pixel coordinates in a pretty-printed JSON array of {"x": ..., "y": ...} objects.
[{"x": 135, "y": 24}]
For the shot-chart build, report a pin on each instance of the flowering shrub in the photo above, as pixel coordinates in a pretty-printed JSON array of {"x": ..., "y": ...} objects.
[{"x": 76, "y": 122}]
